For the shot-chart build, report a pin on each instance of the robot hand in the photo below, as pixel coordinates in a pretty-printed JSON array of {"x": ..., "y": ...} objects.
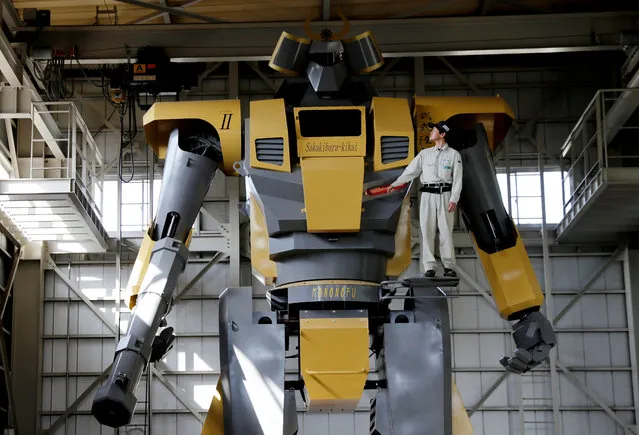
[
  {"x": 534, "y": 338},
  {"x": 162, "y": 344}
]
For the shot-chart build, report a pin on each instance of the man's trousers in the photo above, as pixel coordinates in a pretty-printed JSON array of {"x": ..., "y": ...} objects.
[{"x": 433, "y": 214}]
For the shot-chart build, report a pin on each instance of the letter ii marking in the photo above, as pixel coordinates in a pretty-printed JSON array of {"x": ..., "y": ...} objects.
[{"x": 226, "y": 121}]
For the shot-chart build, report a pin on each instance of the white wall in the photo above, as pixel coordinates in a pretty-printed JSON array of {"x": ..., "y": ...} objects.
[{"x": 593, "y": 343}]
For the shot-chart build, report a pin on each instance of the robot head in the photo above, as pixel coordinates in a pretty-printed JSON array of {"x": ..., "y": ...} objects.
[{"x": 326, "y": 58}]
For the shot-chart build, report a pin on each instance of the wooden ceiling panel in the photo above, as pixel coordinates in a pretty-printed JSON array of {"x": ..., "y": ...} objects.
[
  {"x": 379, "y": 9},
  {"x": 83, "y": 12},
  {"x": 254, "y": 11}
]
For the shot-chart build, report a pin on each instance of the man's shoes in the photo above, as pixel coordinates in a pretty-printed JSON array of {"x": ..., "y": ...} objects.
[
  {"x": 450, "y": 273},
  {"x": 430, "y": 274}
]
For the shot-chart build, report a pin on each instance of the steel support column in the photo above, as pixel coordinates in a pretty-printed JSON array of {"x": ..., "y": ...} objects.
[
  {"x": 233, "y": 188},
  {"x": 549, "y": 301},
  {"x": 233, "y": 193},
  {"x": 4, "y": 354},
  {"x": 27, "y": 345},
  {"x": 631, "y": 274}
]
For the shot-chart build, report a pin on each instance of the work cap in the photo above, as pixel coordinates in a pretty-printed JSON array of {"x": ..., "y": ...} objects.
[{"x": 441, "y": 126}]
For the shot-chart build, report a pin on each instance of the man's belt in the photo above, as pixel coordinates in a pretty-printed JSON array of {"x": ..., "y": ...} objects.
[{"x": 436, "y": 187}]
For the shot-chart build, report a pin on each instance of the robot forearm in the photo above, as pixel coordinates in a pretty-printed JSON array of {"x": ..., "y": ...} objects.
[{"x": 114, "y": 403}]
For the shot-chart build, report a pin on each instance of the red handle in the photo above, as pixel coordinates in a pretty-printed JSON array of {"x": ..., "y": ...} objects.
[{"x": 374, "y": 191}]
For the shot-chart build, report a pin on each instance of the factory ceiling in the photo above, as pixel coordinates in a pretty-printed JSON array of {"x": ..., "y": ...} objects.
[{"x": 126, "y": 12}]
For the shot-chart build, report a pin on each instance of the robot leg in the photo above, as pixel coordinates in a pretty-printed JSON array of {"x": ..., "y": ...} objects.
[
  {"x": 252, "y": 358},
  {"x": 416, "y": 366}
]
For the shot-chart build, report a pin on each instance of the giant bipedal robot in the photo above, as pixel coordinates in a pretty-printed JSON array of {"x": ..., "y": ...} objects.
[{"x": 331, "y": 244}]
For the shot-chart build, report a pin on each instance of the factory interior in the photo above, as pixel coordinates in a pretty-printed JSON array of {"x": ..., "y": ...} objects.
[{"x": 198, "y": 236}]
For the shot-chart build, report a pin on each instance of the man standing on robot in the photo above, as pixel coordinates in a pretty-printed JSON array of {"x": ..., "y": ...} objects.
[{"x": 440, "y": 171}]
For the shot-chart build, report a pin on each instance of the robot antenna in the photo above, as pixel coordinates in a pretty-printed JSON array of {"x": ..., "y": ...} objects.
[
  {"x": 336, "y": 37},
  {"x": 309, "y": 32}
]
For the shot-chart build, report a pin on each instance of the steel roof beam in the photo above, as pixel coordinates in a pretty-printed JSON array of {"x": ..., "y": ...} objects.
[
  {"x": 155, "y": 15},
  {"x": 541, "y": 33},
  {"x": 170, "y": 10}
]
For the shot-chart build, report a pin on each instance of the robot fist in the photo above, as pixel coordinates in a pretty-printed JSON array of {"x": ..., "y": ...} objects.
[{"x": 534, "y": 338}]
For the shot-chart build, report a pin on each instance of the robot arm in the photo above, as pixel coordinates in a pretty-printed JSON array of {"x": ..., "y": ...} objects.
[
  {"x": 479, "y": 124},
  {"x": 508, "y": 268},
  {"x": 193, "y": 153}
]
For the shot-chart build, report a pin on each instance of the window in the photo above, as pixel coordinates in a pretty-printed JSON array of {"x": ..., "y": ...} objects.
[
  {"x": 525, "y": 196},
  {"x": 136, "y": 210}
]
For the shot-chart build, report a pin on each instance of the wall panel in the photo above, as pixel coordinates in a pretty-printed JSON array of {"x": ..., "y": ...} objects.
[{"x": 593, "y": 339}]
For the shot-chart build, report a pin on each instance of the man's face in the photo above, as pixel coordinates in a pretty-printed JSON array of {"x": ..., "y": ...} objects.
[{"x": 435, "y": 135}]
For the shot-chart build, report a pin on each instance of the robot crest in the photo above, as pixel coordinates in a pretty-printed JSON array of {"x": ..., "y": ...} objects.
[{"x": 326, "y": 57}]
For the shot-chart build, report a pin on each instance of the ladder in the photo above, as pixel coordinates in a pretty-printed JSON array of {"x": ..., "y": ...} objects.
[
  {"x": 535, "y": 404},
  {"x": 141, "y": 421}
]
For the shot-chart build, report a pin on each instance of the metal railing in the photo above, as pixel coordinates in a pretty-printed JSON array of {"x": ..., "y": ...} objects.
[
  {"x": 76, "y": 156},
  {"x": 591, "y": 146}
]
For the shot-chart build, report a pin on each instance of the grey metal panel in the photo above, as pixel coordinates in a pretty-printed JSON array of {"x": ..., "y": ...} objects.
[
  {"x": 622, "y": 389},
  {"x": 464, "y": 313},
  {"x": 418, "y": 377},
  {"x": 496, "y": 423},
  {"x": 469, "y": 386},
  {"x": 249, "y": 351},
  {"x": 500, "y": 397},
  {"x": 619, "y": 349}
]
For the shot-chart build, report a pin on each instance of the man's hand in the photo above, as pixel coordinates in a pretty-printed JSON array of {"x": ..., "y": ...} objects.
[{"x": 452, "y": 206}]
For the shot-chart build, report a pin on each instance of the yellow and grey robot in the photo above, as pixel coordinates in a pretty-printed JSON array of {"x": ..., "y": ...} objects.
[{"x": 332, "y": 247}]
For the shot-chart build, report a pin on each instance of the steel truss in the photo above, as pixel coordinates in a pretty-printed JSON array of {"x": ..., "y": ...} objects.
[{"x": 481, "y": 35}]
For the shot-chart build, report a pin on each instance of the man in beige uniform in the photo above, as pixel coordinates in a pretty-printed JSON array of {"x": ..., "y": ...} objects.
[{"x": 440, "y": 172}]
